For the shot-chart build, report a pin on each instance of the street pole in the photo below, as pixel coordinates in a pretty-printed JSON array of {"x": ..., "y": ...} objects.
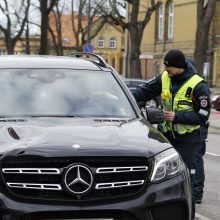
[
  {"x": 88, "y": 21},
  {"x": 126, "y": 51}
]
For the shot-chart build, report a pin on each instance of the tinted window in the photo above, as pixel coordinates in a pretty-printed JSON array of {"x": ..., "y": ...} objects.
[{"x": 62, "y": 92}]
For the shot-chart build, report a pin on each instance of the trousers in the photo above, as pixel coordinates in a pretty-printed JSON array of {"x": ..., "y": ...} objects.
[
  {"x": 188, "y": 152},
  {"x": 200, "y": 173}
]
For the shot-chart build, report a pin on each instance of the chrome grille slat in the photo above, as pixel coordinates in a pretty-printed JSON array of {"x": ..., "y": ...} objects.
[
  {"x": 121, "y": 169},
  {"x": 44, "y": 171},
  {"x": 119, "y": 184},
  {"x": 35, "y": 186},
  {"x": 43, "y": 177}
]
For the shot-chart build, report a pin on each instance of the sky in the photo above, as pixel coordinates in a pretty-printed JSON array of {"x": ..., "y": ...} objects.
[{"x": 34, "y": 13}]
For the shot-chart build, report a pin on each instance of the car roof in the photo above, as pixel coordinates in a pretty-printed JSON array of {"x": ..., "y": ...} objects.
[
  {"x": 30, "y": 61},
  {"x": 136, "y": 80}
]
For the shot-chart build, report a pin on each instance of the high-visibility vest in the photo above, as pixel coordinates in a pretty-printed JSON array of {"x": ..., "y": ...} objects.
[{"x": 181, "y": 102}]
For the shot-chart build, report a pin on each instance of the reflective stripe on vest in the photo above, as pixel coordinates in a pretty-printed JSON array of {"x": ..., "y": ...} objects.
[{"x": 181, "y": 103}]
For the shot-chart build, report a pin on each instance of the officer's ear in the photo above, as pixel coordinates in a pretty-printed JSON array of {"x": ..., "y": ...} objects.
[{"x": 154, "y": 115}]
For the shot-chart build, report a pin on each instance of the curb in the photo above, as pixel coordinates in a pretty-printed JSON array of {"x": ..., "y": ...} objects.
[
  {"x": 215, "y": 112},
  {"x": 217, "y": 128},
  {"x": 200, "y": 217}
]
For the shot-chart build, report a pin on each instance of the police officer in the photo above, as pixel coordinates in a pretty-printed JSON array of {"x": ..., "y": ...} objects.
[
  {"x": 190, "y": 106},
  {"x": 200, "y": 173},
  {"x": 201, "y": 149}
]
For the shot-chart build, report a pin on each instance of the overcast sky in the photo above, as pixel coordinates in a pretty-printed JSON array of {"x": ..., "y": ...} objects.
[{"x": 34, "y": 14}]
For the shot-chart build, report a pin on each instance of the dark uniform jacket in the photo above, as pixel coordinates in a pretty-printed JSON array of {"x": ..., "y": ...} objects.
[{"x": 201, "y": 103}]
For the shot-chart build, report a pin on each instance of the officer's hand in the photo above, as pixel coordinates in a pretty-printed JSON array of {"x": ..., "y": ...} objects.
[
  {"x": 169, "y": 116},
  {"x": 155, "y": 115}
]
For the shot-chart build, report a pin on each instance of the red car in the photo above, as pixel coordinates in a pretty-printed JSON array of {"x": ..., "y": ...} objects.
[{"x": 215, "y": 100}]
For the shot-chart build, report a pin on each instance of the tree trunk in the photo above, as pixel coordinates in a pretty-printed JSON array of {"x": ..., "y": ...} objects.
[
  {"x": 200, "y": 56},
  {"x": 205, "y": 13},
  {"x": 27, "y": 40},
  {"x": 9, "y": 44},
  {"x": 44, "y": 28},
  {"x": 134, "y": 54}
]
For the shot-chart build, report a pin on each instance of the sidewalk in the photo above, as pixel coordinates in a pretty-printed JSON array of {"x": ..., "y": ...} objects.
[
  {"x": 215, "y": 90},
  {"x": 215, "y": 115},
  {"x": 214, "y": 119},
  {"x": 200, "y": 217}
]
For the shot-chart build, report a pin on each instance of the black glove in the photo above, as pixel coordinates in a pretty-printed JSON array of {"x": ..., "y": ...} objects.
[
  {"x": 155, "y": 115},
  {"x": 206, "y": 127}
]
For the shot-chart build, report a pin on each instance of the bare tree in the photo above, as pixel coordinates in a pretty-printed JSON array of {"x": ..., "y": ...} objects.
[
  {"x": 82, "y": 28},
  {"x": 135, "y": 27},
  {"x": 27, "y": 38},
  {"x": 57, "y": 32},
  {"x": 205, "y": 13},
  {"x": 15, "y": 18},
  {"x": 46, "y": 7}
]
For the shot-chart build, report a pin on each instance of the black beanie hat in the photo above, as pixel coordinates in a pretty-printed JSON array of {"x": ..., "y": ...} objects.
[{"x": 175, "y": 58}]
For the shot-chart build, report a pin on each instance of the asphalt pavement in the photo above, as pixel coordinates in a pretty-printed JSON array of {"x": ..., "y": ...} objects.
[{"x": 214, "y": 124}]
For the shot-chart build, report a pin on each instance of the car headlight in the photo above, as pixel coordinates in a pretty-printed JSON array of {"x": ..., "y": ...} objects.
[{"x": 167, "y": 164}]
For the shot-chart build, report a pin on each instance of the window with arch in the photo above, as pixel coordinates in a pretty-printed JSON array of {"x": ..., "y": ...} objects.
[
  {"x": 113, "y": 42},
  {"x": 170, "y": 14},
  {"x": 160, "y": 22},
  {"x": 101, "y": 42}
]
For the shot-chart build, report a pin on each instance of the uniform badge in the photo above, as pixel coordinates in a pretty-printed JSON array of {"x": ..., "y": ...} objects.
[{"x": 204, "y": 103}]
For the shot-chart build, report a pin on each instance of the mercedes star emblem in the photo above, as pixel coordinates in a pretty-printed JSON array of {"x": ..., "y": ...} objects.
[
  {"x": 76, "y": 146},
  {"x": 78, "y": 179}
]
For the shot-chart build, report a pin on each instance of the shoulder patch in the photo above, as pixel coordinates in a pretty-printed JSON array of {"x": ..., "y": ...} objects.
[{"x": 204, "y": 103}]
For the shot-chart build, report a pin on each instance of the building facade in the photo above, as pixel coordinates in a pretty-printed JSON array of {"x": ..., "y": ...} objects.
[
  {"x": 20, "y": 46},
  {"x": 109, "y": 43},
  {"x": 173, "y": 26}
]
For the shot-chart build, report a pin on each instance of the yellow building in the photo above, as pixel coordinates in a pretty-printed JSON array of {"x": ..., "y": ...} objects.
[
  {"x": 173, "y": 26},
  {"x": 20, "y": 46},
  {"x": 109, "y": 43}
]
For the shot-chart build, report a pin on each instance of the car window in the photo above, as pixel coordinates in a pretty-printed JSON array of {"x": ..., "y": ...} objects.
[
  {"x": 135, "y": 83},
  {"x": 128, "y": 83},
  {"x": 62, "y": 91}
]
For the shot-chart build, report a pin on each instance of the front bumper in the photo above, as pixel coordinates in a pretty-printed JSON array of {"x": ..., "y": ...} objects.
[{"x": 169, "y": 200}]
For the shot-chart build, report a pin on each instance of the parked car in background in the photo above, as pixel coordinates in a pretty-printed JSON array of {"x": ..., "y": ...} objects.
[
  {"x": 215, "y": 100},
  {"x": 75, "y": 145},
  {"x": 133, "y": 83}
]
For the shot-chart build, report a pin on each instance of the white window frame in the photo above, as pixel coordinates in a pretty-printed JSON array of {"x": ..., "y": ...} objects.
[
  {"x": 160, "y": 22},
  {"x": 66, "y": 40},
  {"x": 113, "y": 43},
  {"x": 101, "y": 42},
  {"x": 170, "y": 20}
]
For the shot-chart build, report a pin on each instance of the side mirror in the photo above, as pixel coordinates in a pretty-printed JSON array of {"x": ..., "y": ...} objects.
[{"x": 154, "y": 115}]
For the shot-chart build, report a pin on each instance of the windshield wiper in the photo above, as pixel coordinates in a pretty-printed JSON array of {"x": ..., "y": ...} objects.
[
  {"x": 55, "y": 116},
  {"x": 41, "y": 115}
]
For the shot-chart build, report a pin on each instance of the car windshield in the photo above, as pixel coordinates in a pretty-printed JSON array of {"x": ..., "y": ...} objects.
[{"x": 62, "y": 92}]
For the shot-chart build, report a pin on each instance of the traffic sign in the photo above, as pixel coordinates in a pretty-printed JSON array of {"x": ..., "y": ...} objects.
[{"x": 87, "y": 48}]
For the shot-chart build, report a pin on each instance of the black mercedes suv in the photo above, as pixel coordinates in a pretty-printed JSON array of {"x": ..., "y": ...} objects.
[{"x": 74, "y": 145}]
